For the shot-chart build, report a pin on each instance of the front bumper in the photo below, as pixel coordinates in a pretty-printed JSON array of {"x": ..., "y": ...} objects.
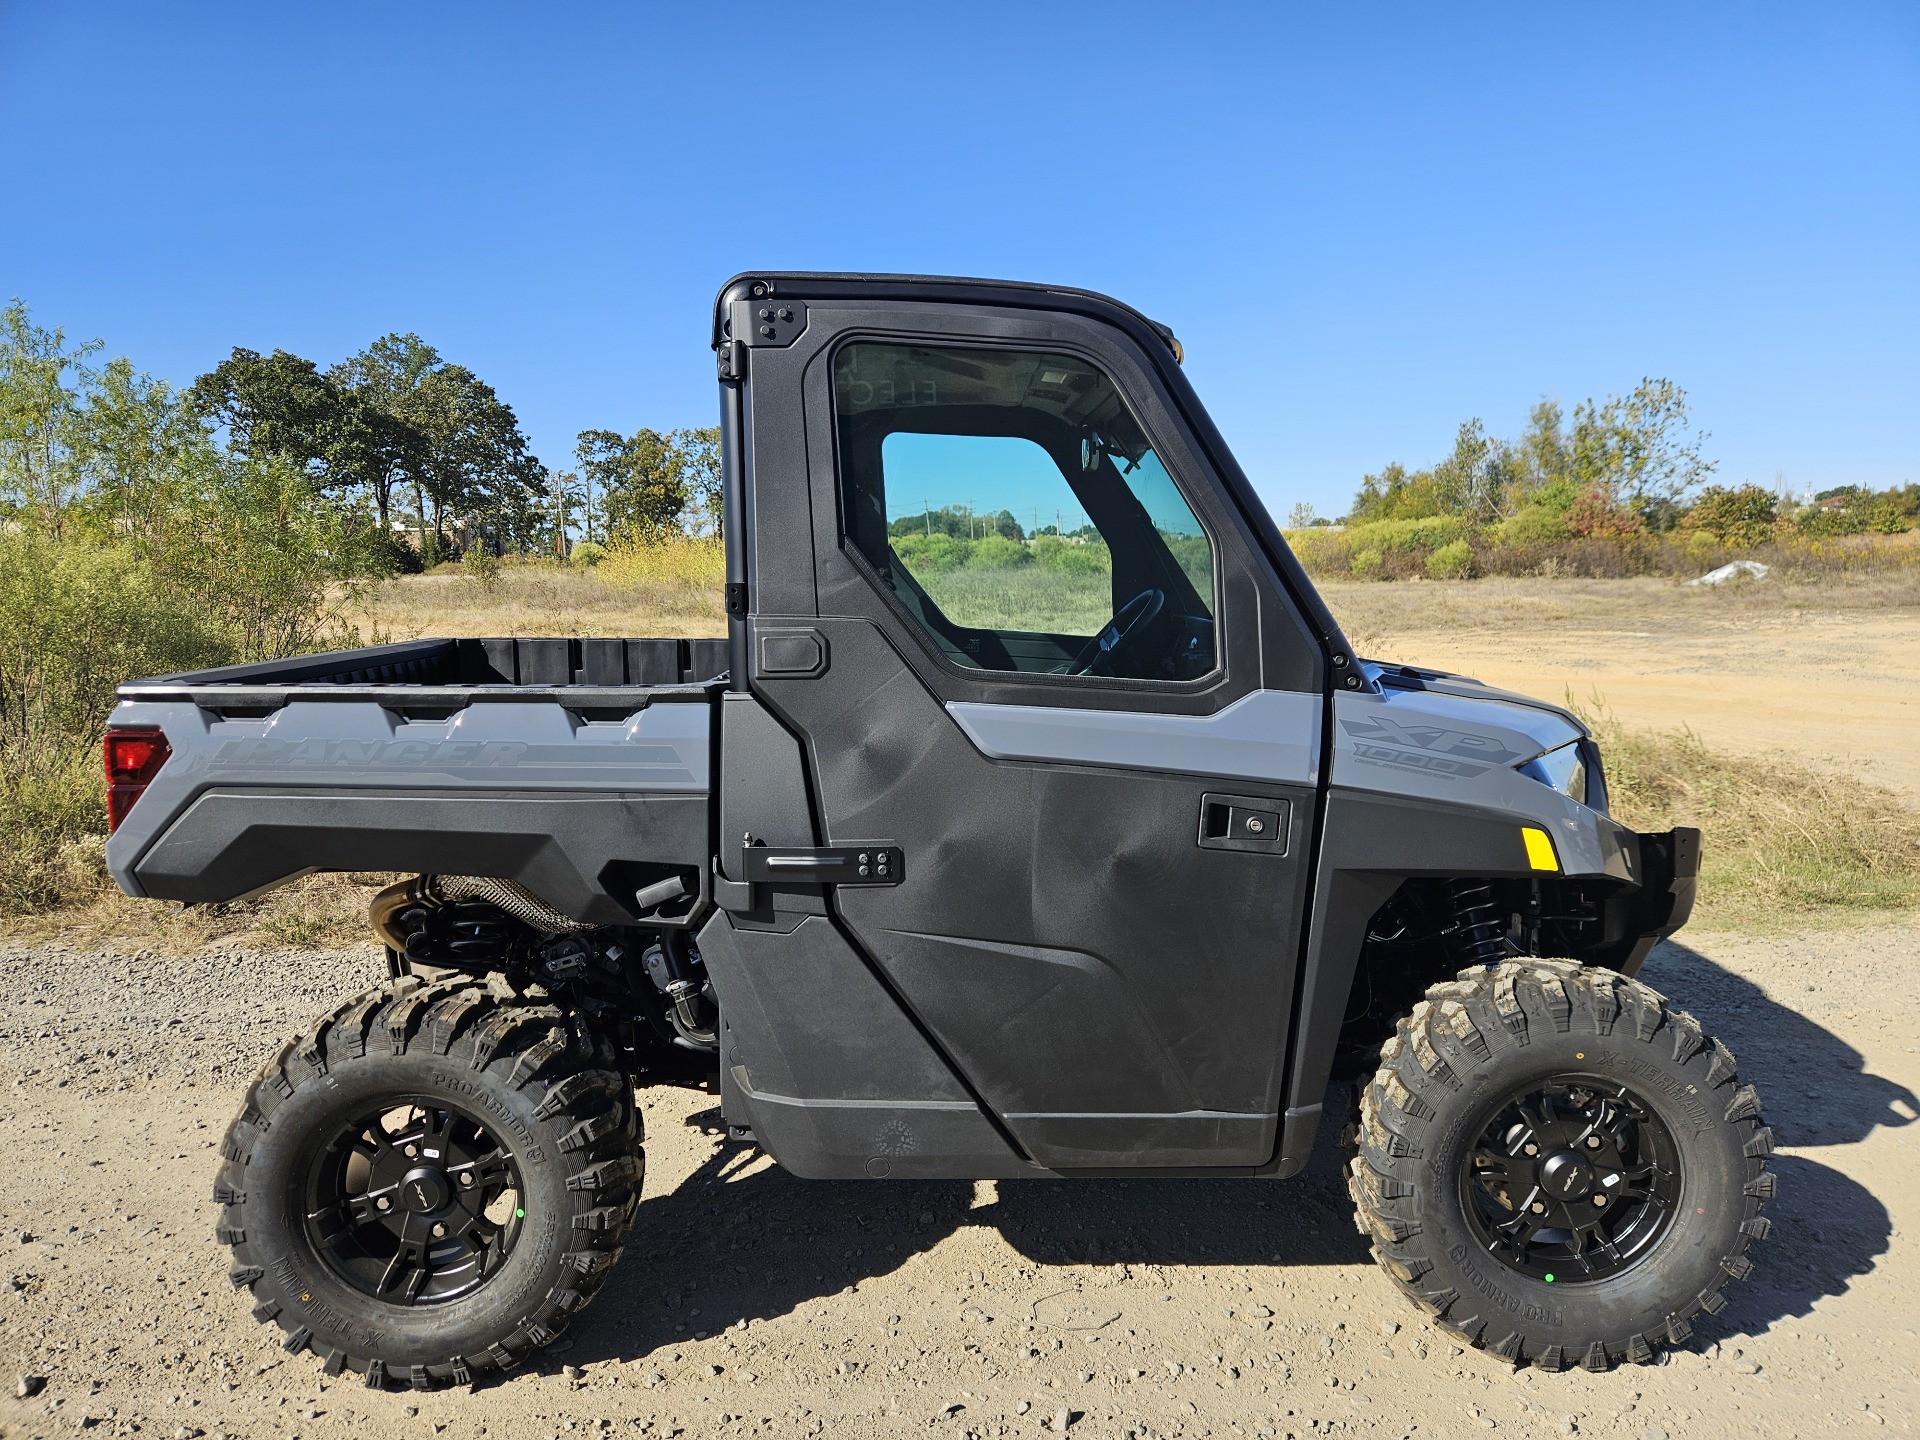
[{"x": 1669, "y": 874}]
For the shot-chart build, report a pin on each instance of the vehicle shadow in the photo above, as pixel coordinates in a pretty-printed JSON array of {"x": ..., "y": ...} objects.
[
  {"x": 1816, "y": 1087},
  {"x": 741, "y": 1240},
  {"x": 1828, "y": 1228}
]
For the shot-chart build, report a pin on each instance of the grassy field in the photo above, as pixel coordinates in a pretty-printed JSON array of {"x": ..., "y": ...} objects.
[
  {"x": 1031, "y": 597},
  {"x": 673, "y": 590}
]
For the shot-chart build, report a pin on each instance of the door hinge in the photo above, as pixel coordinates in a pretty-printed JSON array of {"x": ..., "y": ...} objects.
[
  {"x": 868, "y": 864},
  {"x": 737, "y": 599},
  {"x": 732, "y": 360},
  {"x": 767, "y": 321}
]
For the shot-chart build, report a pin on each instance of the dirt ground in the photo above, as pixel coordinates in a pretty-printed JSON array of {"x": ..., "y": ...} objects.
[
  {"x": 1828, "y": 673},
  {"x": 752, "y": 1303}
]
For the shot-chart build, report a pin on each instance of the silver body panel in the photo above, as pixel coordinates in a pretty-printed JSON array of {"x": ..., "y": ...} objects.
[
  {"x": 523, "y": 747},
  {"x": 1269, "y": 735}
]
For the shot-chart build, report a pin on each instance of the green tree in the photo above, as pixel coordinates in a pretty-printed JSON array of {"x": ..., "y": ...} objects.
[
  {"x": 1396, "y": 494},
  {"x": 1478, "y": 479},
  {"x": 1640, "y": 451},
  {"x": 43, "y": 384},
  {"x": 380, "y": 445},
  {"x": 277, "y": 405},
  {"x": 471, "y": 458},
  {"x": 1541, "y": 451},
  {"x": 1626, "y": 461},
  {"x": 135, "y": 437},
  {"x": 641, "y": 478},
  {"x": 700, "y": 473}
]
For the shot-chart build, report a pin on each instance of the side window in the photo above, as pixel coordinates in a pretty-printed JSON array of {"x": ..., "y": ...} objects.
[{"x": 1011, "y": 502}]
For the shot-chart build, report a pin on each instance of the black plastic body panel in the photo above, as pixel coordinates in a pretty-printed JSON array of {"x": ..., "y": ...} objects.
[
  {"x": 463, "y": 664},
  {"x": 566, "y": 849},
  {"x": 833, "y": 1079},
  {"x": 1370, "y": 846}
]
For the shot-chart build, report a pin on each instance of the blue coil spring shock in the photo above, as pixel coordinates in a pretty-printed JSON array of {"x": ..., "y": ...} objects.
[{"x": 1480, "y": 937}]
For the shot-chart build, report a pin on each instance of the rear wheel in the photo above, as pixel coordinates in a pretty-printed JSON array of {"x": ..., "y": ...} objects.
[
  {"x": 431, "y": 1182},
  {"x": 1559, "y": 1167}
]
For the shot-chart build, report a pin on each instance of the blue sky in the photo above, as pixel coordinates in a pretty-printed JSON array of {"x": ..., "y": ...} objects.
[{"x": 1366, "y": 223}]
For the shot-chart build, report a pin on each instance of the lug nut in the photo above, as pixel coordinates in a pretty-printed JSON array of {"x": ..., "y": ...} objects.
[
  {"x": 439, "y": 1232},
  {"x": 383, "y": 1203},
  {"x": 1538, "y": 1208},
  {"x": 466, "y": 1177},
  {"x": 1599, "y": 1200},
  {"x": 412, "y": 1151},
  {"x": 1533, "y": 1149},
  {"x": 1593, "y": 1142}
]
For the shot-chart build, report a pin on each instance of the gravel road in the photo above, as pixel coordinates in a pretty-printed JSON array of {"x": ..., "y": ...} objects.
[{"x": 752, "y": 1303}]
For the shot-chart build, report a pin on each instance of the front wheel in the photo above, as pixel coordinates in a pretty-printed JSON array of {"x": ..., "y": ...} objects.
[
  {"x": 427, "y": 1185},
  {"x": 1559, "y": 1167}
]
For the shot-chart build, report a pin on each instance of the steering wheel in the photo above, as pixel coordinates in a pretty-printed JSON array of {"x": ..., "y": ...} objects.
[{"x": 1127, "y": 622}]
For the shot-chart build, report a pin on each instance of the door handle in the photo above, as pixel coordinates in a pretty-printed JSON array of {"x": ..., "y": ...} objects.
[{"x": 1245, "y": 822}]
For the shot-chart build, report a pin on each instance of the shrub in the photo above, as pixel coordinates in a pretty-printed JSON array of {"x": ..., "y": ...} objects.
[
  {"x": 587, "y": 554},
  {"x": 1368, "y": 565},
  {"x": 1413, "y": 538},
  {"x": 1043, "y": 547},
  {"x": 1452, "y": 561},
  {"x": 997, "y": 552},
  {"x": 52, "y": 817},
  {"x": 926, "y": 554},
  {"x": 696, "y": 562},
  {"x": 1092, "y": 558},
  {"x": 1595, "y": 515},
  {"x": 1533, "y": 525},
  {"x": 481, "y": 566},
  {"x": 77, "y": 619},
  {"x": 1741, "y": 517},
  {"x": 390, "y": 555},
  {"x": 1322, "y": 552}
]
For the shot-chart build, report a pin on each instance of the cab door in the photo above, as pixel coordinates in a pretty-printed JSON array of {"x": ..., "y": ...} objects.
[{"x": 1043, "y": 660}]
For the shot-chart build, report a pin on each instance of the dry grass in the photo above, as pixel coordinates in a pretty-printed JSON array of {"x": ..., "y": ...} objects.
[
  {"x": 668, "y": 590},
  {"x": 316, "y": 912},
  {"x": 1369, "y": 611},
  {"x": 1781, "y": 840}
]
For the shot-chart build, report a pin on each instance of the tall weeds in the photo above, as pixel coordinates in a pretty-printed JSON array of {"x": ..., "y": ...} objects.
[{"x": 1780, "y": 838}]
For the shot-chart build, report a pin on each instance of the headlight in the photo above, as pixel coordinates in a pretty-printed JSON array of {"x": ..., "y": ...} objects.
[{"x": 1564, "y": 769}]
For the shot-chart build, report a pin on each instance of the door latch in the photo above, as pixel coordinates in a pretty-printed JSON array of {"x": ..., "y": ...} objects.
[{"x": 1245, "y": 822}]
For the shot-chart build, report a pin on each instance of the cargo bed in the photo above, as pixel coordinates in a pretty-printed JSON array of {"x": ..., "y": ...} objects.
[{"x": 579, "y": 767}]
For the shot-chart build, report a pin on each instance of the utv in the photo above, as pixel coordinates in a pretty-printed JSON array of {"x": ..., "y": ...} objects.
[{"x": 1033, "y": 819}]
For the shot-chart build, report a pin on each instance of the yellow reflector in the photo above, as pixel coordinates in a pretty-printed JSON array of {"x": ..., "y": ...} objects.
[{"x": 1539, "y": 849}]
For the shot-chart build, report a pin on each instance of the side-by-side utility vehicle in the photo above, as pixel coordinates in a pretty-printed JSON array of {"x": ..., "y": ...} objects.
[{"x": 1033, "y": 819}]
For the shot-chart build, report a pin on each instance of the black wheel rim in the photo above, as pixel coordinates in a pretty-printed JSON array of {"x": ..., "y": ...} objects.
[
  {"x": 1571, "y": 1180},
  {"x": 415, "y": 1203}
]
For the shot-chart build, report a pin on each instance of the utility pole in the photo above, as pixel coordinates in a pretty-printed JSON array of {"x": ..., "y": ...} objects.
[{"x": 557, "y": 481}]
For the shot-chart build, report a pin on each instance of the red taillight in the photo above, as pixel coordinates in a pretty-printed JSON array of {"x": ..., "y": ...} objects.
[{"x": 134, "y": 756}]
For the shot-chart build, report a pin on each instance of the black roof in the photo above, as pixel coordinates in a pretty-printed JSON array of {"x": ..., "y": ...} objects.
[{"x": 834, "y": 285}]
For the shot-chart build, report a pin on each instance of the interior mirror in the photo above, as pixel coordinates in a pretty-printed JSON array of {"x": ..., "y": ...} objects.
[{"x": 1091, "y": 452}]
